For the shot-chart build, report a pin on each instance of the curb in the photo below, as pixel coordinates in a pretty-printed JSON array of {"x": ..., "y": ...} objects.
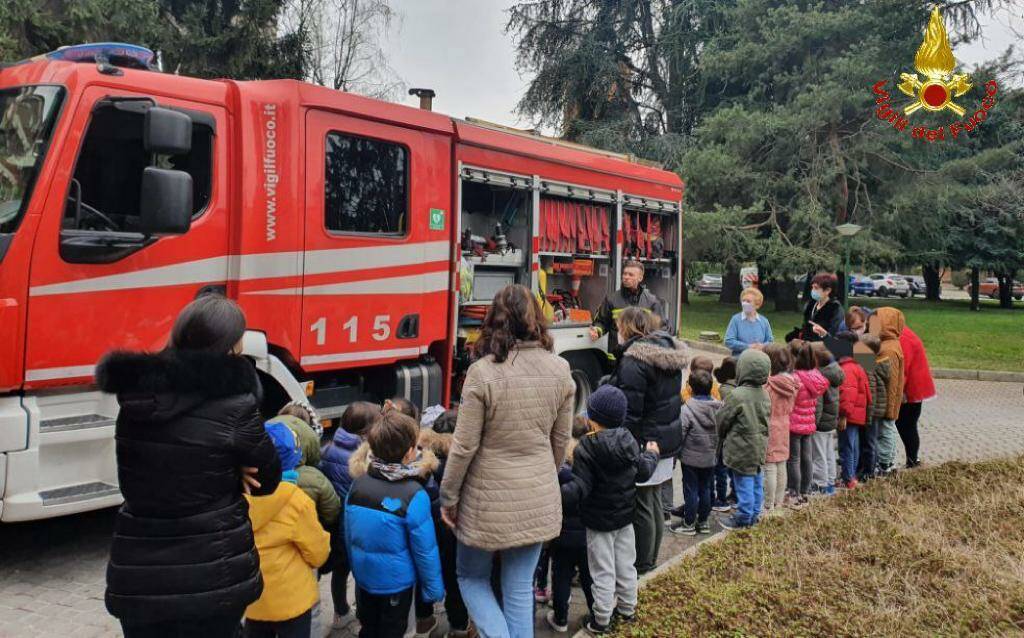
[
  {"x": 667, "y": 565},
  {"x": 937, "y": 373}
]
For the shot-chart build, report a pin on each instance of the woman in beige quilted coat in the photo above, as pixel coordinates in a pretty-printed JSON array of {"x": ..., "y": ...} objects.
[{"x": 500, "y": 489}]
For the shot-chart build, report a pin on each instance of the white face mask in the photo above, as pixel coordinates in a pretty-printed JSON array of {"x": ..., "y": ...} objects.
[{"x": 748, "y": 308}]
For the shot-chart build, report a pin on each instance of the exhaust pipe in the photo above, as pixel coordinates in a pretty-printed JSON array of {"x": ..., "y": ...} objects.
[{"x": 426, "y": 97}]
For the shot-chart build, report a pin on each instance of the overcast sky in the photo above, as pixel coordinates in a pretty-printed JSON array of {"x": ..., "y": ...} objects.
[{"x": 459, "y": 49}]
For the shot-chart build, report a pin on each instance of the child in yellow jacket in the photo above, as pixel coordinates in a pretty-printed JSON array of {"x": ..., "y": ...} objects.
[{"x": 291, "y": 544}]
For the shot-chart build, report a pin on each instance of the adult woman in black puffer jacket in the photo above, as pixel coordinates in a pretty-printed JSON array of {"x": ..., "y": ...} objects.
[
  {"x": 183, "y": 561},
  {"x": 650, "y": 374}
]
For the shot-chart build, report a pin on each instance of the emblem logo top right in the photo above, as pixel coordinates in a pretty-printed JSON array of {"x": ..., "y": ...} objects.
[{"x": 934, "y": 60}]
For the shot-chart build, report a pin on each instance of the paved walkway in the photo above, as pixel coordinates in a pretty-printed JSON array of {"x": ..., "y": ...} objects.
[{"x": 52, "y": 572}]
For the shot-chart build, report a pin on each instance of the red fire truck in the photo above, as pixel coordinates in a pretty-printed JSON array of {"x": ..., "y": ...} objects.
[{"x": 363, "y": 239}]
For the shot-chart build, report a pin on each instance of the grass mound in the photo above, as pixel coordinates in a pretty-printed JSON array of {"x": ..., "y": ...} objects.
[{"x": 933, "y": 552}]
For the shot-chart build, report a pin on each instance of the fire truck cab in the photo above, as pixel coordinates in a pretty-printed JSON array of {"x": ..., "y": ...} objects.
[{"x": 363, "y": 240}]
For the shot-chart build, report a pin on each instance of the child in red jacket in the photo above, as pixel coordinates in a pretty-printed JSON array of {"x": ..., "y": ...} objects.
[{"x": 854, "y": 403}]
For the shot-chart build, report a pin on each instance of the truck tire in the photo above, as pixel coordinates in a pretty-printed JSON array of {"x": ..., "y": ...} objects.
[{"x": 586, "y": 373}]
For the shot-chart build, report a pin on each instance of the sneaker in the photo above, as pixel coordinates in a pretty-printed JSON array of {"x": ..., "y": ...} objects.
[
  {"x": 683, "y": 529},
  {"x": 851, "y": 484},
  {"x": 593, "y": 628},
  {"x": 703, "y": 528},
  {"x": 556, "y": 626},
  {"x": 731, "y": 523},
  {"x": 541, "y": 595},
  {"x": 340, "y": 620},
  {"x": 425, "y": 626},
  {"x": 721, "y": 506},
  {"x": 620, "y": 618},
  {"x": 678, "y": 512},
  {"x": 667, "y": 516},
  {"x": 830, "y": 490}
]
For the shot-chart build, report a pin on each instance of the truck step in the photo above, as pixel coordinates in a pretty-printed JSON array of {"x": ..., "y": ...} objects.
[
  {"x": 73, "y": 423},
  {"x": 76, "y": 493}
]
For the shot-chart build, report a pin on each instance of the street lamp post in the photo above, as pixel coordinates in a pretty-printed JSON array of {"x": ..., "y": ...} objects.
[{"x": 847, "y": 231}]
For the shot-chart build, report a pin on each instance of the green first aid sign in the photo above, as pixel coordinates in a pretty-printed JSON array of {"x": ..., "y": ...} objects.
[{"x": 436, "y": 219}]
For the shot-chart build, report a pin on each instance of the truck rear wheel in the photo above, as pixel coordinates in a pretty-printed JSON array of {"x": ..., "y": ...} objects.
[{"x": 586, "y": 372}]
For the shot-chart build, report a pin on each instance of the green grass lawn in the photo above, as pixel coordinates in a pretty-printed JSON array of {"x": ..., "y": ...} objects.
[
  {"x": 955, "y": 337},
  {"x": 931, "y": 552}
]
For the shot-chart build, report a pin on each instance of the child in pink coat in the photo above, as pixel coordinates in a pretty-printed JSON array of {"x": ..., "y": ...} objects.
[
  {"x": 782, "y": 390},
  {"x": 801, "y": 420}
]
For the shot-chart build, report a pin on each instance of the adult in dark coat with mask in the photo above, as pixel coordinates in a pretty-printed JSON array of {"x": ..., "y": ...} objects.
[
  {"x": 190, "y": 440},
  {"x": 823, "y": 315}
]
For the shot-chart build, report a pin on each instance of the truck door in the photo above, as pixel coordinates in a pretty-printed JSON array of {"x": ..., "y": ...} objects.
[
  {"x": 376, "y": 274},
  {"x": 97, "y": 283}
]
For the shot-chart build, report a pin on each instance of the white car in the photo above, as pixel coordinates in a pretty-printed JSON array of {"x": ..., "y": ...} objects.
[{"x": 890, "y": 284}]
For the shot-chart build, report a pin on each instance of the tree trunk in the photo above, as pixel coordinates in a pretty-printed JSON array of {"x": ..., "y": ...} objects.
[
  {"x": 841, "y": 286},
  {"x": 731, "y": 286},
  {"x": 932, "y": 282},
  {"x": 684, "y": 289},
  {"x": 1006, "y": 290},
  {"x": 975, "y": 282},
  {"x": 785, "y": 295}
]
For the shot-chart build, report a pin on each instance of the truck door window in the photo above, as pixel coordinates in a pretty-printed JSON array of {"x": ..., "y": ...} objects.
[
  {"x": 365, "y": 186},
  {"x": 106, "y": 189}
]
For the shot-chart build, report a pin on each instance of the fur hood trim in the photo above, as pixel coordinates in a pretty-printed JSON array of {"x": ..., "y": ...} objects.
[
  {"x": 660, "y": 351},
  {"x": 359, "y": 462},
  {"x": 439, "y": 444},
  {"x": 177, "y": 372}
]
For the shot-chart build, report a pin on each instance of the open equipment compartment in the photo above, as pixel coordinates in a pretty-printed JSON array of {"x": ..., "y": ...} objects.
[
  {"x": 651, "y": 234},
  {"x": 495, "y": 219},
  {"x": 576, "y": 242}
]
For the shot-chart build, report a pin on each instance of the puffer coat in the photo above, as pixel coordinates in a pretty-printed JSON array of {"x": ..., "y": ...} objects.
[
  {"x": 509, "y": 441},
  {"x": 700, "y": 437},
  {"x": 183, "y": 545},
  {"x": 650, "y": 374},
  {"x": 782, "y": 390},
  {"x": 812, "y": 386},
  {"x": 827, "y": 411}
]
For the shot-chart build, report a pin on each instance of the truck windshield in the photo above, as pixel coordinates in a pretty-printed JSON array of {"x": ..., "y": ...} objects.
[{"x": 27, "y": 115}]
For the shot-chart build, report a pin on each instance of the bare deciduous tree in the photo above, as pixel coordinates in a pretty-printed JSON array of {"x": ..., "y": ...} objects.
[{"x": 343, "y": 40}]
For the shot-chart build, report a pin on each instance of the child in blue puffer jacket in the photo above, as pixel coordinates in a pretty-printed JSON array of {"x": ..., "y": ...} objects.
[
  {"x": 334, "y": 457},
  {"x": 389, "y": 532}
]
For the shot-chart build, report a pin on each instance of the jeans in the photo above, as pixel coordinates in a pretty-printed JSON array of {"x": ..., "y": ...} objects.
[
  {"x": 697, "y": 493},
  {"x": 823, "y": 458},
  {"x": 849, "y": 451},
  {"x": 611, "y": 556},
  {"x": 566, "y": 561},
  {"x": 721, "y": 486},
  {"x": 749, "y": 496},
  {"x": 226, "y": 626},
  {"x": 906, "y": 424},
  {"x": 799, "y": 464},
  {"x": 513, "y": 618},
  {"x": 383, "y": 615},
  {"x": 774, "y": 484},
  {"x": 298, "y": 627},
  {"x": 649, "y": 526},
  {"x": 886, "y": 443},
  {"x": 868, "y": 449}
]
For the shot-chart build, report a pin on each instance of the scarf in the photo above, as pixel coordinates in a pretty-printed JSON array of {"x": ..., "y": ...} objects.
[{"x": 398, "y": 471}]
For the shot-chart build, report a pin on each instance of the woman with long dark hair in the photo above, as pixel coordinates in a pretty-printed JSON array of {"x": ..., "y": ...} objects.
[
  {"x": 190, "y": 440},
  {"x": 500, "y": 489}
]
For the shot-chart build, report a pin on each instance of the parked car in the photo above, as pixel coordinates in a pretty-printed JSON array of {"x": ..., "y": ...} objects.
[
  {"x": 709, "y": 284},
  {"x": 885, "y": 284},
  {"x": 917, "y": 285},
  {"x": 989, "y": 287},
  {"x": 861, "y": 286}
]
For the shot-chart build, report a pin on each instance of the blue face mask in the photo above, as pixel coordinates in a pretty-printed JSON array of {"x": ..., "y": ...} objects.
[{"x": 816, "y": 295}]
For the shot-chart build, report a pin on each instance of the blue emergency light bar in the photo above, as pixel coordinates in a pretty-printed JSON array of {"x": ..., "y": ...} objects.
[{"x": 115, "y": 53}]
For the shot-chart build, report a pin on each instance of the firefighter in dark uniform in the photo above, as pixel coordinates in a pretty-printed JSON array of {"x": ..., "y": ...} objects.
[{"x": 632, "y": 293}]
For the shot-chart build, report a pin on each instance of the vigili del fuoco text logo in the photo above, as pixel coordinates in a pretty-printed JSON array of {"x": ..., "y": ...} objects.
[{"x": 936, "y": 91}]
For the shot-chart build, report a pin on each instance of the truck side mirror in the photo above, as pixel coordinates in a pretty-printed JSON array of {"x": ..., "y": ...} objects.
[
  {"x": 167, "y": 132},
  {"x": 166, "y": 202}
]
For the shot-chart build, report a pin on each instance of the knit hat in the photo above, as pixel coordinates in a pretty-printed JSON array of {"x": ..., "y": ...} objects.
[
  {"x": 286, "y": 444},
  {"x": 607, "y": 407}
]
